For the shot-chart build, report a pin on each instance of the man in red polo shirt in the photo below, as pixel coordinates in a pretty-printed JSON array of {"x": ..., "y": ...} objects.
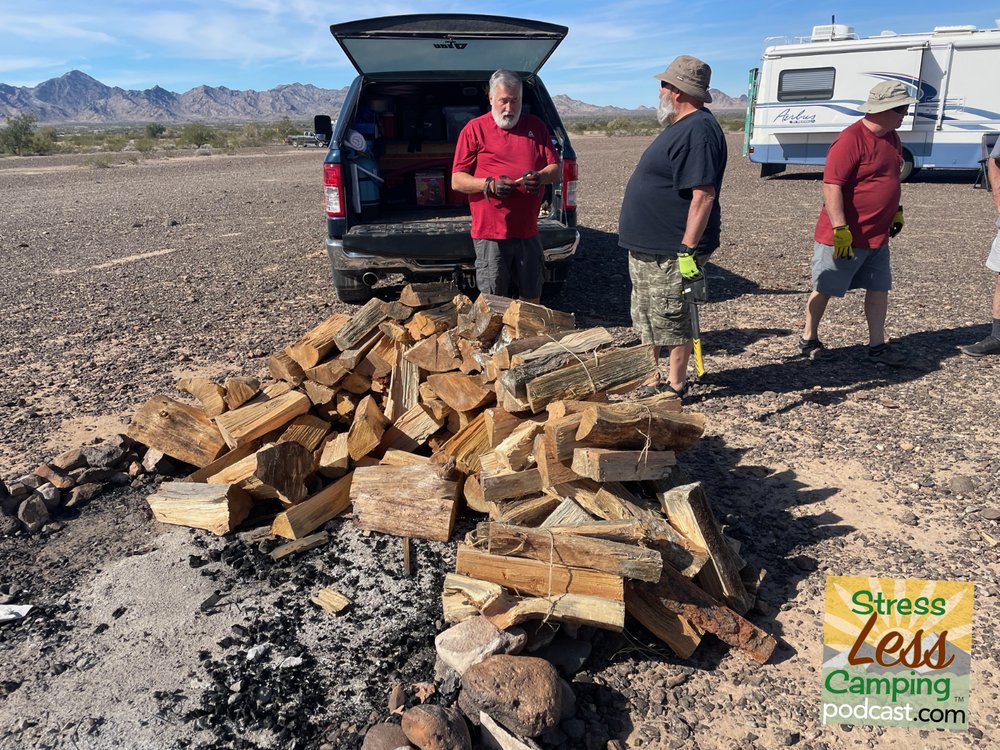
[
  {"x": 861, "y": 211},
  {"x": 502, "y": 160}
]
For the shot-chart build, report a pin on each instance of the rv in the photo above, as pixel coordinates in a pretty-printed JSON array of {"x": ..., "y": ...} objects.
[{"x": 808, "y": 90}]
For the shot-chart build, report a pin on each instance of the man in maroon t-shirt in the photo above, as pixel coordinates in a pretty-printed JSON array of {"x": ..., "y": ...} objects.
[
  {"x": 861, "y": 211},
  {"x": 502, "y": 160}
]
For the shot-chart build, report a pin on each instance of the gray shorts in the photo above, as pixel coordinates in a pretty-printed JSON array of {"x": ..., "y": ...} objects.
[
  {"x": 501, "y": 264},
  {"x": 993, "y": 262},
  {"x": 868, "y": 269}
]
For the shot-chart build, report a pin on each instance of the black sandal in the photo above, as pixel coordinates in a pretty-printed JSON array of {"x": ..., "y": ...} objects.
[{"x": 680, "y": 395}]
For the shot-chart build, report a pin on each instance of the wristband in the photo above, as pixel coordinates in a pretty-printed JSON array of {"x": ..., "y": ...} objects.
[{"x": 486, "y": 186}]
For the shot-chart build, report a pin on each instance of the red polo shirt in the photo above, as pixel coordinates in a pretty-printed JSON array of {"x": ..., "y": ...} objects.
[
  {"x": 866, "y": 166},
  {"x": 486, "y": 150}
]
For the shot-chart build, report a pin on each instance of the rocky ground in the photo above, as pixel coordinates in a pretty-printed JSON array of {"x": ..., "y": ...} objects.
[{"x": 119, "y": 280}]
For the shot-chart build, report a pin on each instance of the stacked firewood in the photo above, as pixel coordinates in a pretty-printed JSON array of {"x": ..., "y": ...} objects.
[{"x": 405, "y": 409}]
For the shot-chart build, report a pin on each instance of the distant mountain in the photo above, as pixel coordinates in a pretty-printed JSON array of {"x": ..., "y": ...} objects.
[{"x": 76, "y": 97}]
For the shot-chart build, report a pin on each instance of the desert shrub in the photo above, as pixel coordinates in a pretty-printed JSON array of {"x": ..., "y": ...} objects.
[
  {"x": 284, "y": 128},
  {"x": 98, "y": 161},
  {"x": 154, "y": 130},
  {"x": 45, "y": 141},
  {"x": 16, "y": 136},
  {"x": 198, "y": 134},
  {"x": 145, "y": 146}
]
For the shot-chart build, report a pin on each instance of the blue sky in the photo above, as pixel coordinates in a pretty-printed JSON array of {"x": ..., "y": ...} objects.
[{"x": 612, "y": 50}]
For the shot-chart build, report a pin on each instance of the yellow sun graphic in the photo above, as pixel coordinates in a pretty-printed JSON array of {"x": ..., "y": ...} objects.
[{"x": 904, "y": 606}]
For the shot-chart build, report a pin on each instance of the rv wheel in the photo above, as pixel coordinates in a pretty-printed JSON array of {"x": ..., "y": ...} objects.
[{"x": 907, "y": 170}]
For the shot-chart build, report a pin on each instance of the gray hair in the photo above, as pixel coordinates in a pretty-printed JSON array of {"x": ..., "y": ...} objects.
[{"x": 506, "y": 78}]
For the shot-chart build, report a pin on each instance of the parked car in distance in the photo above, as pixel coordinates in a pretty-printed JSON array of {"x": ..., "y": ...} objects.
[{"x": 387, "y": 175}]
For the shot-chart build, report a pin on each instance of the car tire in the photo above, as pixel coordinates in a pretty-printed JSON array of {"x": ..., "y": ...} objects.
[
  {"x": 907, "y": 169},
  {"x": 351, "y": 289}
]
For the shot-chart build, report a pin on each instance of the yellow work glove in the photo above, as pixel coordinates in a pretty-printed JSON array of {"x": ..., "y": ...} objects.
[
  {"x": 843, "y": 242},
  {"x": 897, "y": 223},
  {"x": 686, "y": 265}
]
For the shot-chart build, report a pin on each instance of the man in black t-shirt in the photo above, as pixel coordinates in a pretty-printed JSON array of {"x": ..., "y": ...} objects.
[{"x": 670, "y": 216}]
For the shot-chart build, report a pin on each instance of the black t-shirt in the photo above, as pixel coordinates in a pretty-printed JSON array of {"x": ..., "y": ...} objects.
[{"x": 689, "y": 153}]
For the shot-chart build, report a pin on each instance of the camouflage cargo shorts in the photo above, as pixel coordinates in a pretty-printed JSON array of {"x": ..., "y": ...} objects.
[{"x": 659, "y": 314}]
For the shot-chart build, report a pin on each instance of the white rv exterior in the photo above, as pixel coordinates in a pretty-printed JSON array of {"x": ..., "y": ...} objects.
[{"x": 805, "y": 93}]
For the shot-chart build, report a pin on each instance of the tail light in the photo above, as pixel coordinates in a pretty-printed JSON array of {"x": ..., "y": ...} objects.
[
  {"x": 570, "y": 174},
  {"x": 333, "y": 189}
]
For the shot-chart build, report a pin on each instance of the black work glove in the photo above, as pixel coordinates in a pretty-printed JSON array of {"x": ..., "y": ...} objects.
[
  {"x": 532, "y": 181},
  {"x": 502, "y": 186}
]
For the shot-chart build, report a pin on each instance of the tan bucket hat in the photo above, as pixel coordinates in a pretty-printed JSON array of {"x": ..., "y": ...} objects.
[
  {"x": 887, "y": 95},
  {"x": 690, "y": 75}
]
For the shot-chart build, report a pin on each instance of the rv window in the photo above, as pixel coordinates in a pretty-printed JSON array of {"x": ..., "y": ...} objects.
[{"x": 807, "y": 84}]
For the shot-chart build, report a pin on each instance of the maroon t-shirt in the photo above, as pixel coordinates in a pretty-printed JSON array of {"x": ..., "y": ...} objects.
[
  {"x": 486, "y": 150},
  {"x": 866, "y": 166}
]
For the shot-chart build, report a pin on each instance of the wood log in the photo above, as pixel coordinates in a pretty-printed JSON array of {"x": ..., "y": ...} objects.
[
  {"x": 404, "y": 388},
  {"x": 301, "y": 545},
  {"x": 181, "y": 431},
  {"x": 606, "y": 465},
  {"x": 211, "y": 395},
  {"x": 528, "y": 511},
  {"x": 433, "y": 321},
  {"x": 276, "y": 470},
  {"x": 356, "y": 383},
  {"x": 411, "y": 430},
  {"x": 503, "y": 354},
  {"x": 319, "y": 394},
  {"x": 394, "y": 457},
  {"x": 215, "y": 508},
  {"x": 330, "y": 601},
  {"x": 625, "y": 425},
  {"x": 302, "y": 519},
  {"x": 463, "y": 597},
  {"x": 626, "y": 560},
  {"x": 467, "y": 445},
  {"x": 409, "y": 501},
  {"x": 460, "y": 392},
  {"x": 626, "y": 532},
  {"x": 253, "y": 420},
  {"x": 315, "y": 345},
  {"x": 676, "y": 594},
  {"x": 577, "y": 342},
  {"x": 346, "y": 403},
  {"x": 682, "y": 637},
  {"x": 567, "y": 514},
  {"x": 485, "y": 320},
  {"x": 559, "y": 409},
  {"x": 395, "y": 332},
  {"x": 283, "y": 367},
  {"x": 366, "y": 430},
  {"x": 552, "y": 356},
  {"x": 335, "y": 459},
  {"x": 527, "y": 319},
  {"x": 231, "y": 457},
  {"x": 438, "y": 409},
  {"x": 306, "y": 430},
  {"x": 458, "y": 420},
  {"x": 538, "y": 578},
  {"x": 561, "y": 434},
  {"x": 500, "y": 484},
  {"x": 328, "y": 373},
  {"x": 472, "y": 491},
  {"x": 601, "y": 371},
  {"x": 689, "y": 511},
  {"x": 428, "y": 294},
  {"x": 500, "y": 423},
  {"x": 508, "y": 401},
  {"x": 551, "y": 470},
  {"x": 361, "y": 326},
  {"x": 515, "y": 451},
  {"x": 397, "y": 311},
  {"x": 380, "y": 360},
  {"x": 473, "y": 359},
  {"x": 434, "y": 354},
  {"x": 240, "y": 390}
]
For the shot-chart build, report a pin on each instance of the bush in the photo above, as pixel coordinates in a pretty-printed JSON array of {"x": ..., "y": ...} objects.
[
  {"x": 16, "y": 137},
  {"x": 45, "y": 141},
  {"x": 198, "y": 134},
  {"x": 145, "y": 146},
  {"x": 99, "y": 161},
  {"x": 154, "y": 130}
]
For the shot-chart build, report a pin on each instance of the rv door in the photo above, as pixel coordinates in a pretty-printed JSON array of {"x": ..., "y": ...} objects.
[{"x": 751, "y": 106}]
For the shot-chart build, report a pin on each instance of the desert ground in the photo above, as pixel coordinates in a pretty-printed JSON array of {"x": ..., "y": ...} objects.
[{"x": 119, "y": 280}]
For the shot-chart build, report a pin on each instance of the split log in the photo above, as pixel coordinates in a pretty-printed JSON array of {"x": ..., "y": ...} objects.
[
  {"x": 601, "y": 371},
  {"x": 302, "y": 519},
  {"x": 571, "y": 349},
  {"x": 253, "y": 420},
  {"x": 301, "y": 545},
  {"x": 515, "y": 451},
  {"x": 306, "y": 430},
  {"x": 432, "y": 322},
  {"x": 473, "y": 359},
  {"x": 551, "y": 470},
  {"x": 211, "y": 395},
  {"x": 505, "y": 484},
  {"x": 428, "y": 294},
  {"x": 484, "y": 321},
  {"x": 503, "y": 355},
  {"x": 366, "y": 429},
  {"x": 330, "y": 601},
  {"x": 434, "y": 354},
  {"x": 378, "y": 363},
  {"x": 403, "y": 458},
  {"x": 397, "y": 311},
  {"x": 688, "y": 510},
  {"x": 626, "y": 560},
  {"x": 362, "y": 323},
  {"x": 395, "y": 332},
  {"x": 404, "y": 388},
  {"x": 626, "y": 532},
  {"x": 273, "y": 471},
  {"x": 577, "y": 342},
  {"x": 472, "y": 491},
  {"x": 567, "y": 514},
  {"x": 527, "y": 319},
  {"x": 411, "y": 430},
  {"x": 499, "y": 424},
  {"x": 561, "y": 434},
  {"x": 682, "y": 637},
  {"x": 314, "y": 346},
  {"x": 181, "y": 431},
  {"x": 328, "y": 373},
  {"x": 335, "y": 459},
  {"x": 606, "y": 465},
  {"x": 319, "y": 394},
  {"x": 626, "y": 425},
  {"x": 539, "y": 578},
  {"x": 529, "y": 511},
  {"x": 463, "y": 597},
  {"x": 467, "y": 445},
  {"x": 283, "y": 367},
  {"x": 408, "y": 501},
  {"x": 509, "y": 401},
  {"x": 460, "y": 392},
  {"x": 356, "y": 383},
  {"x": 215, "y": 508},
  {"x": 231, "y": 457},
  {"x": 438, "y": 409},
  {"x": 676, "y": 594},
  {"x": 241, "y": 390},
  {"x": 346, "y": 403}
]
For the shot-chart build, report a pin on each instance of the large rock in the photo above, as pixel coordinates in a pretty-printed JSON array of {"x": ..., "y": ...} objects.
[
  {"x": 71, "y": 459},
  {"x": 385, "y": 737},
  {"x": 83, "y": 494},
  {"x": 55, "y": 476},
  {"x": 432, "y": 727},
  {"x": 8, "y": 525},
  {"x": 157, "y": 462},
  {"x": 521, "y": 692},
  {"x": 51, "y": 496},
  {"x": 104, "y": 455},
  {"x": 33, "y": 513},
  {"x": 469, "y": 642}
]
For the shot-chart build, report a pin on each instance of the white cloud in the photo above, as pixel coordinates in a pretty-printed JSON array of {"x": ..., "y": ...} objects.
[
  {"x": 11, "y": 64},
  {"x": 53, "y": 30}
]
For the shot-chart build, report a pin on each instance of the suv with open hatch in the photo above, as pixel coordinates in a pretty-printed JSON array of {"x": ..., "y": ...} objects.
[{"x": 387, "y": 175}]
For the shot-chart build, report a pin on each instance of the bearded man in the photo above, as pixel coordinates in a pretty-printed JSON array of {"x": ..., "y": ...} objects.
[
  {"x": 670, "y": 217},
  {"x": 502, "y": 160}
]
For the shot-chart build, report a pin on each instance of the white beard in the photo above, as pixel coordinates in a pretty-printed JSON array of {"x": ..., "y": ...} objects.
[
  {"x": 665, "y": 112},
  {"x": 506, "y": 121}
]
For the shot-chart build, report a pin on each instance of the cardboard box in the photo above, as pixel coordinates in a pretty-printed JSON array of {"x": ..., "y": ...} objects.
[{"x": 430, "y": 187}]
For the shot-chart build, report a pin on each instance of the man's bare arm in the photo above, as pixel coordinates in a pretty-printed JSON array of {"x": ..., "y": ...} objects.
[
  {"x": 464, "y": 182},
  {"x": 700, "y": 209},
  {"x": 833, "y": 202},
  {"x": 993, "y": 172}
]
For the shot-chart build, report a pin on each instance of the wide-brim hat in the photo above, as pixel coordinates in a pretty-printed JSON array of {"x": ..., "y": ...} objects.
[
  {"x": 690, "y": 75},
  {"x": 887, "y": 95}
]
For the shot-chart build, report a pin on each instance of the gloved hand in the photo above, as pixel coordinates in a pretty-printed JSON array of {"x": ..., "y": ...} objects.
[
  {"x": 897, "y": 223},
  {"x": 532, "y": 181},
  {"x": 502, "y": 186},
  {"x": 843, "y": 242},
  {"x": 686, "y": 265}
]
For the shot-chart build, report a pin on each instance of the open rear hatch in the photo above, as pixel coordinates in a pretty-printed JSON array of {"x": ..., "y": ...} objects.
[{"x": 447, "y": 44}]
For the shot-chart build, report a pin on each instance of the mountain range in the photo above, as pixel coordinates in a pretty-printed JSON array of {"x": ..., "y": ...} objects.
[{"x": 78, "y": 98}]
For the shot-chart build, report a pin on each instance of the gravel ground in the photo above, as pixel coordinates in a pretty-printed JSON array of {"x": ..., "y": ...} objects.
[{"x": 120, "y": 280}]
